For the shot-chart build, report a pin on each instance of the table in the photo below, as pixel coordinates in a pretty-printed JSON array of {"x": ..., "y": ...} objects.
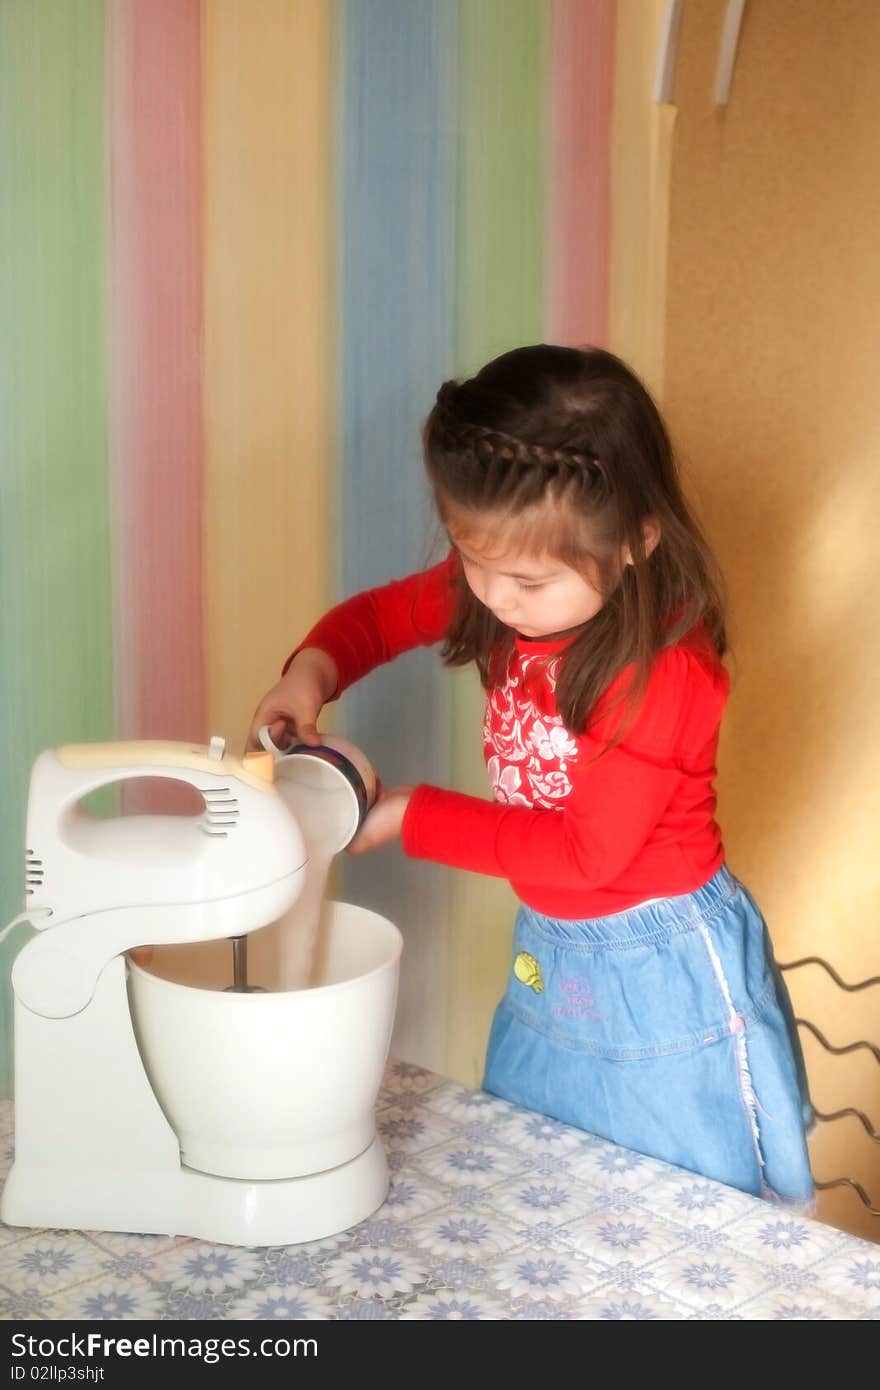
[{"x": 493, "y": 1213}]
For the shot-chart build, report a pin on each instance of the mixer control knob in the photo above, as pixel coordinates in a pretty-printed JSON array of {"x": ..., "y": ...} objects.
[{"x": 216, "y": 748}]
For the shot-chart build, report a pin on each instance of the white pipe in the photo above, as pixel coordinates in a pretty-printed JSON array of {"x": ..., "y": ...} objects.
[
  {"x": 727, "y": 52},
  {"x": 664, "y": 70}
]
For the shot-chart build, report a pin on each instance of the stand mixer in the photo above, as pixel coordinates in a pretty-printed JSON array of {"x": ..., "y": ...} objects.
[{"x": 168, "y": 1105}]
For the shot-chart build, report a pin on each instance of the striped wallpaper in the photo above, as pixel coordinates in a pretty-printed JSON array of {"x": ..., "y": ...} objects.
[{"x": 243, "y": 242}]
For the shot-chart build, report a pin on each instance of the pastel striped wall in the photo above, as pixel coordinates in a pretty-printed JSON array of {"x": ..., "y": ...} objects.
[
  {"x": 269, "y": 325},
  {"x": 499, "y": 298},
  {"x": 577, "y": 226},
  {"x": 243, "y": 243},
  {"x": 56, "y": 642},
  {"x": 396, "y": 247},
  {"x": 156, "y": 430}
]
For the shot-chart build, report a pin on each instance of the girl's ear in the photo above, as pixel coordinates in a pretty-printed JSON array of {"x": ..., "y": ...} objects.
[
  {"x": 650, "y": 536},
  {"x": 650, "y": 533}
]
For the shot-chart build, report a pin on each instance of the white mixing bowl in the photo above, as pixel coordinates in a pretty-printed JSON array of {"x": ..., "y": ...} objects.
[{"x": 274, "y": 1085}]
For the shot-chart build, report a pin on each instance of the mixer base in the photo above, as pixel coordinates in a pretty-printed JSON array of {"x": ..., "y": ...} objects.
[{"x": 182, "y": 1202}]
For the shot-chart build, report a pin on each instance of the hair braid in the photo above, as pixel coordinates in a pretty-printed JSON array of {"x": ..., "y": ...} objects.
[{"x": 456, "y": 436}]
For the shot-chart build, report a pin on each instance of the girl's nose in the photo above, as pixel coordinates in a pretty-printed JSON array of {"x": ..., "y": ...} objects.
[
  {"x": 499, "y": 598},
  {"x": 498, "y": 593}
]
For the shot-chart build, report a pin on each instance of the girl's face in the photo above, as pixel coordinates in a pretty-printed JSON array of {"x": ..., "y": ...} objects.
[{"x": 535, "y": 594}]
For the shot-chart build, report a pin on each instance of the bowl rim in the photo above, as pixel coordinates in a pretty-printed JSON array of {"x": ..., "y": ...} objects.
[{"x": 152, "y": 980}]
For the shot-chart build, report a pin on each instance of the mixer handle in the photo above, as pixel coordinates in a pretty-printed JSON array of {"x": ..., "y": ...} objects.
[{"x": 87, "y": 766}]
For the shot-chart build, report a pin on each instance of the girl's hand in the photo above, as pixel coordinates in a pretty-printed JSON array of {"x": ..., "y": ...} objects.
[
  {"x": 291, "y": 707},
  {"x": 383, "y": 822}
]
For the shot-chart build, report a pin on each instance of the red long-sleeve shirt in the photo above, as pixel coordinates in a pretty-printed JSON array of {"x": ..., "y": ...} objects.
[{"x": 577, "y": 836}]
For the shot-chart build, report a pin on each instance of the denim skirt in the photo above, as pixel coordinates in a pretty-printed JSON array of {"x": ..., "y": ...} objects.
[{"x": 667, "y": 1029}]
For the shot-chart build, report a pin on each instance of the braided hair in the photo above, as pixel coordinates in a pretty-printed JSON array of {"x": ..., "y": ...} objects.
[{"x": 562, "y": 452}]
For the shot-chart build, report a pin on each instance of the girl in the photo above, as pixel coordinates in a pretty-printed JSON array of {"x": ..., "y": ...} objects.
[{"x": 643, "y": 1002}]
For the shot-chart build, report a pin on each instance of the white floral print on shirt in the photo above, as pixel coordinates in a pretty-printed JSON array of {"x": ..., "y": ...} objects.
[{"x": 528, "y": 750}]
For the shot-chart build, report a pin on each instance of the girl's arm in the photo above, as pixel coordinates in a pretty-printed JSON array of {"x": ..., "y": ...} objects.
[
  {"x": 612, "y": 809},
  {"x": 616, "y": 800},
  {"x": 375, "y": 626},
  {"x": 350, "y": 640}
]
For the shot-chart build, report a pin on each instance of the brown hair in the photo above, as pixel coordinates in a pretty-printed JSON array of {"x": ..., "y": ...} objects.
[{"x": 565, "y": 450}]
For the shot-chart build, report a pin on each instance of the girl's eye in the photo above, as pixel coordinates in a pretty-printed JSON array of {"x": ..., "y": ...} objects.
[{"x": 520, "y": 584}]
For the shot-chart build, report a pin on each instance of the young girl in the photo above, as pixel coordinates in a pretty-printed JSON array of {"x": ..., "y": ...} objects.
[{"x": 643, "y": 1002}]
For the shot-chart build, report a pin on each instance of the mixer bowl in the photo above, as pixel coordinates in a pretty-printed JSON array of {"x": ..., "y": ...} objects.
[{"x": 276, "y": 1084}]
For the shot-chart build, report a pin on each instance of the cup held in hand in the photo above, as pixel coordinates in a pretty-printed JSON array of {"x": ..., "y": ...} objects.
[{"x": 333, "y": 764}]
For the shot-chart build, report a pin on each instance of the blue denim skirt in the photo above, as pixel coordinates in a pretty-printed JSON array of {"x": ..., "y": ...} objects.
[{"x": 667, "y": 1029}]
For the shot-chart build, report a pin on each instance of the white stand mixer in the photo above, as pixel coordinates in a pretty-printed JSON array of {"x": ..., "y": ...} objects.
[{"x": 102, "y": 1146}]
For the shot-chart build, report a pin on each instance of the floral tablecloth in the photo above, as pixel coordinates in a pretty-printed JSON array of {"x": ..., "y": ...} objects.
[{"x": 493, "y": 1213}]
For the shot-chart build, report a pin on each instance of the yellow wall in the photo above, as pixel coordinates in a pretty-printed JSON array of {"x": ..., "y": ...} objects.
[
  {"x": 771, "y": 363},
  {"x": 641, "y": 147},
  {"x": 268, "y": 83}
]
